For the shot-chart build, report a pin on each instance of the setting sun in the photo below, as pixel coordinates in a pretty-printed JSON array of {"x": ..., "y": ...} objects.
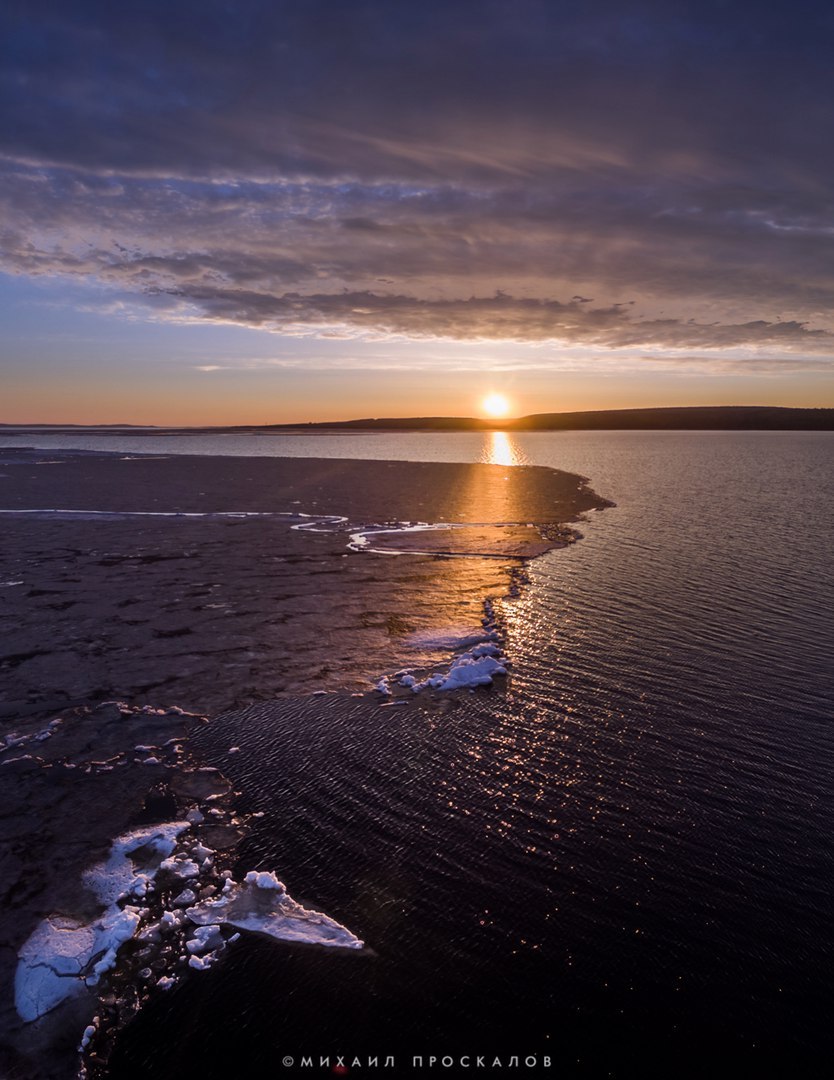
[{"x": 495, "y": 405}]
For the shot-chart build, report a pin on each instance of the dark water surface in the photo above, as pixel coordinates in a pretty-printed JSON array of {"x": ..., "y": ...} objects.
[{"x": 625, "y": 863}]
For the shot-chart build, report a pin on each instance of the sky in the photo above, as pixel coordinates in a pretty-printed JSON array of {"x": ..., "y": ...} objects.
[{"x": 268, "y": 212}]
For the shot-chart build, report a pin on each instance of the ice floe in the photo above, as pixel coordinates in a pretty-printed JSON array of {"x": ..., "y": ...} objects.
[
  {"x": 180, "y": 867},
  {"x": 58, "y": 958},
  {"x": 478, "y": 667},
  {"x": 134, "y": 861},
  {"x": 205, "y": 939},
  {"x": 469, "y": 671},
  {"x": 260, "y": 903},
  {"x": 89, "y": 1032},
  {"x": 11, "y": 740},
  {"x": 66, "y": 954},
  {"x": 200, "y": 963},
  {"x": 63, "y": 954}
]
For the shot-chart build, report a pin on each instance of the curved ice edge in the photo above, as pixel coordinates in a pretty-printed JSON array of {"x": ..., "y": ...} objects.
[
  {"x": 323, "y": 523},
  {"x": 361, "y": 539},
  {"x": 63, "y": 955}
]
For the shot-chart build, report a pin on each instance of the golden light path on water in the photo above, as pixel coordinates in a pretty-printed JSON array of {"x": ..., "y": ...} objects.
[
  {"x": 501, "y": 449},
  {"x": 514, "y": 764}
]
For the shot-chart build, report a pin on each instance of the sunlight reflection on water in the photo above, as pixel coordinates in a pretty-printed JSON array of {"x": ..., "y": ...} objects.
[{"x": 500, "y": 448}]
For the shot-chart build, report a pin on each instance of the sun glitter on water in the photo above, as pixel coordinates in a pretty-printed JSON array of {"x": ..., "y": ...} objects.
[{"x": 495, "y": 405}]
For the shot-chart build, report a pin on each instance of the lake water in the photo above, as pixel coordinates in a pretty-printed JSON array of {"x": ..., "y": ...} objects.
[{"x": 625, "y": 863}]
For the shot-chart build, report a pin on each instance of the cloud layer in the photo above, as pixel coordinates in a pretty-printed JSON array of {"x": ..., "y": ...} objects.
[{"x": 622, "y": 176}]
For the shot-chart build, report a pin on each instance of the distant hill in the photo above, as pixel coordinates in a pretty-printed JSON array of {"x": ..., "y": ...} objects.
[
  {"x": 693, "y": 418},
  {"x": 687, "y": 418}
]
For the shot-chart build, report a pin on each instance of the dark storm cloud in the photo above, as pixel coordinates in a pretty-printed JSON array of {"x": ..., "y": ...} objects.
[{"x": 270, "y": 163}]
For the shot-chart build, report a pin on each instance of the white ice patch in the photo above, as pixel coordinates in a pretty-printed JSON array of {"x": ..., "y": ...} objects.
[
  {"x": 89, "y": 1032},
  {"x": 477, "y": 667},
  {"x": 362, "y": 539},
  {"x": 261, "y": 904},
  {"x": 120, "y": 876},
  {"x": 205, "y": 939},
  {"x": 467, "y": 672},
  {"x": 172, "y": 920},
  {"x": 180, "y": 867},
  {"x": 201, "y": 963},
  {"x": 264, "y": 880},
  {"x": 315, "y": 522},
  {"x": 486, "y": 649},
  {"x": 62, "y": 954}
]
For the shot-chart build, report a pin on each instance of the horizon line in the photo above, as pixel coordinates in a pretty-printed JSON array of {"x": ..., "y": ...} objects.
[{"x": 527, "y": 421}]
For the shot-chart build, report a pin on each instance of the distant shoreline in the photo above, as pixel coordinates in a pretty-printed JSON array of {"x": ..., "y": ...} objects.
[{"x": 685, "y": 418}]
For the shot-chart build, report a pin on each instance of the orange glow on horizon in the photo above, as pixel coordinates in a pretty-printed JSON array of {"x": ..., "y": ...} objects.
[{"x": 136, "y": 393}]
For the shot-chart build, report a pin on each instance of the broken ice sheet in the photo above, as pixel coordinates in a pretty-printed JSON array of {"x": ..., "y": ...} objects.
[
  {"x": 261, "y": 904},
  {"x": 55, "y": 963},
  {"x": 133, "y": 861},
  {"x": 63, "y": 954}
]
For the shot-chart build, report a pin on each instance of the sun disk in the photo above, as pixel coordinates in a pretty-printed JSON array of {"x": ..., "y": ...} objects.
[{"x": 495, "y": 405}]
